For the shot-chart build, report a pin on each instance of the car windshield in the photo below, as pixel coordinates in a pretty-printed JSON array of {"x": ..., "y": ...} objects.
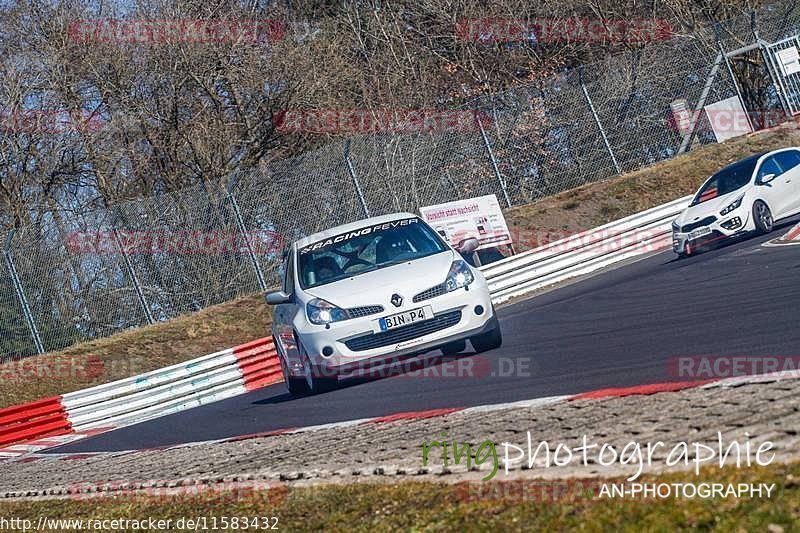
[
  {"x": 727, "y": 180},
  {"x": 366, "y": 249}
]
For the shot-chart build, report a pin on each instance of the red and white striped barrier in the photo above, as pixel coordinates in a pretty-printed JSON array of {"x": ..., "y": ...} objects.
[
  {"x": 792, "y": 237},
  {"x": 207, "y": 379}
]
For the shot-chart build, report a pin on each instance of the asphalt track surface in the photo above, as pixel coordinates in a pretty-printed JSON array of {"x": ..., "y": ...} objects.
[{"x": 617, "y": 329}]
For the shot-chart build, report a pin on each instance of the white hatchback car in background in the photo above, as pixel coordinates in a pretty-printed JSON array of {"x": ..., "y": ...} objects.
[
  {"x": 375, "y": 289},
  {"x": 749, "y": 195}
]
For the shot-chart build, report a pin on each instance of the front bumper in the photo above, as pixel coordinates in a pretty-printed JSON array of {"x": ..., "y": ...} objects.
[
  {"x": 457, "y": 315},
  {"x": 734, "y": 223}
]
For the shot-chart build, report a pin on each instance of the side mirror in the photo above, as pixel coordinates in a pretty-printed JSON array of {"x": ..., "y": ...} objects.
[
  {"x": 767, "y": 178},
  {"x": 467, "y": 246},
  {"x": 277, "y": 298}
]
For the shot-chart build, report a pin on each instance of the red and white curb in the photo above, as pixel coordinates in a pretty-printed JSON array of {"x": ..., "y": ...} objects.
[
  {"x": 792, "y": 237},
  {"x": 537, "y": 403}
]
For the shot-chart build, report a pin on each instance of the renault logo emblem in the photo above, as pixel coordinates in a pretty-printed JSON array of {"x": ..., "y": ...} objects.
[{"x": 397, "y": 300}]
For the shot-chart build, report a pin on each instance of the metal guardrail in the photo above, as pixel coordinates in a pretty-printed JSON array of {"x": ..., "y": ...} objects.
[{"x": 582, "y": 253}]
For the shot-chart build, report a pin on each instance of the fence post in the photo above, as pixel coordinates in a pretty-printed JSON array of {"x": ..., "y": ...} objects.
[
  {"x": 490, "y": 152},
  {"x": 717, "y": 32},
  {"x": 23, "y": 301},
  {"x": 353, "y": 176},
  {"x": 262, "y": 284},
  {"x": 132, "y": 274},
  {"x": 764, "y": 51},
  {"x": 597, "y": 121}
]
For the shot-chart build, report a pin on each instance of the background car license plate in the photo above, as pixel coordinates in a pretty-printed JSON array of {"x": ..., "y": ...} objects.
[
  {"x": 404, "y": 319},
  {"x": 699, "y": 232}
]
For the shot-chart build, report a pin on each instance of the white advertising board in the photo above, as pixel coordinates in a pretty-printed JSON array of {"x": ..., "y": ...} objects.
[
  {"x": 479, "y": 217},
  {"x": 789, "y": 60},
  {"x": 727, "y": 119}
]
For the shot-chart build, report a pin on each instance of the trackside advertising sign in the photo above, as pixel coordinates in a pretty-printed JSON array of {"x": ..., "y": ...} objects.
[{"x": 479, "y": 217}]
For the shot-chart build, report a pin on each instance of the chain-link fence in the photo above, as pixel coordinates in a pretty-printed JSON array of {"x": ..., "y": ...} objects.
[{"x": 74, "y": 277}]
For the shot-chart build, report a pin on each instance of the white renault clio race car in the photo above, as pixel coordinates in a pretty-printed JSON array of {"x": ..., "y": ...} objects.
[
  {"x": 746, "y": 196},
  {"x": 373, "y": 290}
]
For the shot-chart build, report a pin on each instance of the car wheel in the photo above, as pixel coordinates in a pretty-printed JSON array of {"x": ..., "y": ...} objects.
[
  {"x": 762, "y": 217},
  {"x": 687, "y": 251},
  {"x": 315, "y": 380},
  {"x": 455, "y": 347},
  {"x": 294, "y": 384},
  {"x": 487, "y": 341}
]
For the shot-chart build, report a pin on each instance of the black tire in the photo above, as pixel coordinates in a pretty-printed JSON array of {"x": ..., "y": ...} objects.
[
  {"x": 762, "y": 217},
  {"x": 321, "y": 383},
  {"x": 687, "y": 251},
  {"x": 297, "y": 386},
  {"x": 487, "y": 341},
  {"x": 455, "y": 347}
]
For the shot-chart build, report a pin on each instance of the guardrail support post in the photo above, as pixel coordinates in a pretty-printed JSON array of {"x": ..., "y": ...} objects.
[
  {"x": 353, "y": 176},
  {"x": 262, "y": 284},
  {"x": 23, "y": 301},
  {"x": 490, "y": 152},
  {"x": 134, "y": 279},
  {"x": 597, "y": 121}
]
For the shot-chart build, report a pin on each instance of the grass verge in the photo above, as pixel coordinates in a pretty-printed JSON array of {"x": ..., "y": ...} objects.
[{"x": 444, "y": 507}]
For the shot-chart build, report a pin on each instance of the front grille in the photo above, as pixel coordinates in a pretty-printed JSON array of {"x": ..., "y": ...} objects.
[
  {"x": 405, "y": 333},
  {"x": 358, "y": 312},
  {"x": 699, "y": 224},
  {"x": 427, "y": 294}
]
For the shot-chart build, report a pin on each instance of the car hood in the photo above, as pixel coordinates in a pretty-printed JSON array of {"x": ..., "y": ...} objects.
[
  {"x": 708, "y": 208},
  {"x": 378, "y": 286}
]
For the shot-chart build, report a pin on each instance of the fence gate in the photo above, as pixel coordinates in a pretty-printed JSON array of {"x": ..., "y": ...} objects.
[{"x": 783, "y": 60}]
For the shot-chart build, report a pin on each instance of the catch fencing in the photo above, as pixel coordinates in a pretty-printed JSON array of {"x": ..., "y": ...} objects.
[{"x": 91, "y": 272}]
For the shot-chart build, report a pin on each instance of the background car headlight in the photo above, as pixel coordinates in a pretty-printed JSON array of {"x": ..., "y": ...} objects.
[
  {"x": 735, "y": 205},
  {"x": 321, "y": 312},
  {"x": 459, "y": 276},
  {"x": 675, "y": 227}
]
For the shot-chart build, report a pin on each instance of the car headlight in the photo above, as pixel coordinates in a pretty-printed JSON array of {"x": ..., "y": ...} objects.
[
  {"x": 676, "y": 227},
  {"x": 459, "y": 276},
  {"x": 735, "y": 205},
  {"x": 321, "y": 312}
]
